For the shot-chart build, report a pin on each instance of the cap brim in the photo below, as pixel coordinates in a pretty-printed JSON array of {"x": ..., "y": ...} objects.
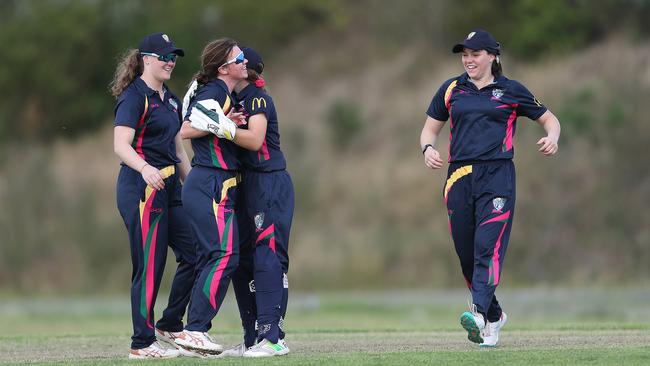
[
  {"x": 461, "y": 46},
  {"x": 458, "y": 48},
  {"x": 171, "y": 49}
]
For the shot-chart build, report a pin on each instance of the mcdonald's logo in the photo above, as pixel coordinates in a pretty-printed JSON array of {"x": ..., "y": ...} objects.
[{"x": 257, "y": 103}]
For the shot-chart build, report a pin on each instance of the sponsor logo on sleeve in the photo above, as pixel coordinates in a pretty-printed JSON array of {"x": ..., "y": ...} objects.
[{"x": 258, "y": 103}]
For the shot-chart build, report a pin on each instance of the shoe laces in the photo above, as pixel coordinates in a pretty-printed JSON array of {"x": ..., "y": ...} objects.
[
  {"x": 471, "y": 306},
  {"x": 475, "y": 313},
  {"x": 206, "y": 335}
]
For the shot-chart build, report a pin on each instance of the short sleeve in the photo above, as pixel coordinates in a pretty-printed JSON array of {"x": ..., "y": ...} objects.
[
  {"x": 528, "y": 105},
  {"x": 208, "y": 91},
  {"x": 129, "y": 110},
  {"x": 260, "y": 104},
  {"x": 438, "y": 108},
  {"x": 179, "y": 107}
]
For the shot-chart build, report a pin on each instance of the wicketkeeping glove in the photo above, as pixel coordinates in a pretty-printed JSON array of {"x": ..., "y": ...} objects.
[
  {"x": 188, "y": 97},
  {"x": 207, "y": 115}
]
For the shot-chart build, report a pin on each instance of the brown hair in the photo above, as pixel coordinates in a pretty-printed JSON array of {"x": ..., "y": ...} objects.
[
  {"x": 496, "y": 69},
  {"x": 127, "y": 70},
  {"x": 255, "y": 79},
  {"x": 213, "y": 56}
]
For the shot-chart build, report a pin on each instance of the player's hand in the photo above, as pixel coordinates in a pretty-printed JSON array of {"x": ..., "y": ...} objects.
[
  {"x": 237, "y": 116},
  {"x": 432, "y": 158},
  {"x": 207, "y": 115},
  {"x": 152, "y": 177},
  {"x": 548, "y": 145}
]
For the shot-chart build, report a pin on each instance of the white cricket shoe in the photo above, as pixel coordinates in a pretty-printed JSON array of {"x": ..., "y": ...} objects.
[
  {"x": 198, "y": 342},
  {"x": 170, "y": 337},
  {"x": 267, "y": 349},
  {"x": 234, "y": 351},
  {"x": 473, "y": 322},
  {"x": 155, "y": 350},
  {"x": 281, "y": 341},
  {"x": 491, "y": 331}
]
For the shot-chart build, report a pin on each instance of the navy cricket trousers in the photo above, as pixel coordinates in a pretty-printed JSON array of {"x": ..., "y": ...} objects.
[
  {"x": 154, "y": 221},
  {"x": 265, "y": 210},
  {"x": 480, "y": 198},
  {"x": 209, "y": 199}
]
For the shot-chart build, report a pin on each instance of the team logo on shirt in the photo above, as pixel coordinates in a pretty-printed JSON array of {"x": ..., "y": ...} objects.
[
  {"x": 498, "y": 204},
  {"x": 497, "y": 93},
  {"x": 173, "y": 103},
  {"x": 259, "y": 220},
  {"x": 166, "y": 38}
]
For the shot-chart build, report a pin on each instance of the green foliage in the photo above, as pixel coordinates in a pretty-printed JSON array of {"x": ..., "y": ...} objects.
[
  {"x": 588, "y": 113},
  {"x": 59, "y": 56},
  {"x": 530, "y": 28},
  {"x": 345, "y": 122},
  {"x": 577, "y": 112}
]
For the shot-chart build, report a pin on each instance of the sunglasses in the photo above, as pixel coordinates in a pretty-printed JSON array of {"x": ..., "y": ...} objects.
[
  {"x": 237, "y": 60},
  {"x": 164, "y": 58}
]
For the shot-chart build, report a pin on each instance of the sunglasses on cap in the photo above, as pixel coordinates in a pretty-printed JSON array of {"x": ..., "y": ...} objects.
[
  {"x": 237, "y": 60},
  {"x": 164, "y": 58}
]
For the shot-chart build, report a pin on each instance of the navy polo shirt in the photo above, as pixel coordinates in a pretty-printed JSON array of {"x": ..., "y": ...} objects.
[
  {"x": 269, "y": 157},
  {"x": 155, "y": 122},
  {"x": 211, "y": 151},
  {"x": 482, "y": 122}
]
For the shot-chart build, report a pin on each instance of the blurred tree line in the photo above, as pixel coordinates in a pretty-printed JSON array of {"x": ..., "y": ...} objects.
[
  {"x": 366, "y": 213},
  {"x": 58, "y": 55}
]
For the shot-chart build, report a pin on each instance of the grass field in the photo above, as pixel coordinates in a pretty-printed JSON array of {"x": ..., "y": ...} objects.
[{"x": 546, "y": 327}]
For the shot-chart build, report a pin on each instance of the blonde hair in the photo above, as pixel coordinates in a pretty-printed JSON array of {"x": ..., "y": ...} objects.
[{"x": 129, "y": 68}]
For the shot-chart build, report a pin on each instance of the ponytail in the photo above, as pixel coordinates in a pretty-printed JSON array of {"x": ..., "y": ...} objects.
[
  {"x": 497, "y": 70},
  {"x": 256, "y": 79},
  {"x": 127, "y": 70}
]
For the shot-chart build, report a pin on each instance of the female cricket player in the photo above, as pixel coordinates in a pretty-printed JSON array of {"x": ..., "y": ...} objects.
[
  {"x": 147, "y": 140},
  {"x": 210, "y": 191},
  {"x": 482, "y": 107},
  {"x": 265, "y": 211}
]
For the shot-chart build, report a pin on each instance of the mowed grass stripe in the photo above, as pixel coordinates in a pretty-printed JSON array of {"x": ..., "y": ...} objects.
[{"x": 533, "y": 347}]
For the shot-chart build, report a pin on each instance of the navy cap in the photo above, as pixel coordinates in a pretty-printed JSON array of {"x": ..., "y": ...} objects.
[
  {"x": 255, "y": 61},
  {"x": 479, "y": 39},
  {"x": 159, "y": 43}
]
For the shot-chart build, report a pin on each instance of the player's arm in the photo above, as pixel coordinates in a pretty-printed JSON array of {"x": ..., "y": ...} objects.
[
  {"x": 252, "y": 138},
  {"x": 550, "y": 123},
  {"x": 428, "y": 137},
  {"x": 189, "y": 132},
  {"x": 184, "y": 166},
  {"x": 122, "y": 139}
]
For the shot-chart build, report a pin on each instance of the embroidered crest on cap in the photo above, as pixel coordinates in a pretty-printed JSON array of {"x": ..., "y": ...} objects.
[
  {"x": 469, "y": 36},
  {"x": 166, "y": 38}
]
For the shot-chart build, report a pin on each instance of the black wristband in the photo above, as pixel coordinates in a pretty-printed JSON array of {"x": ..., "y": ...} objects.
[{"x": 424, "y": 149}]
